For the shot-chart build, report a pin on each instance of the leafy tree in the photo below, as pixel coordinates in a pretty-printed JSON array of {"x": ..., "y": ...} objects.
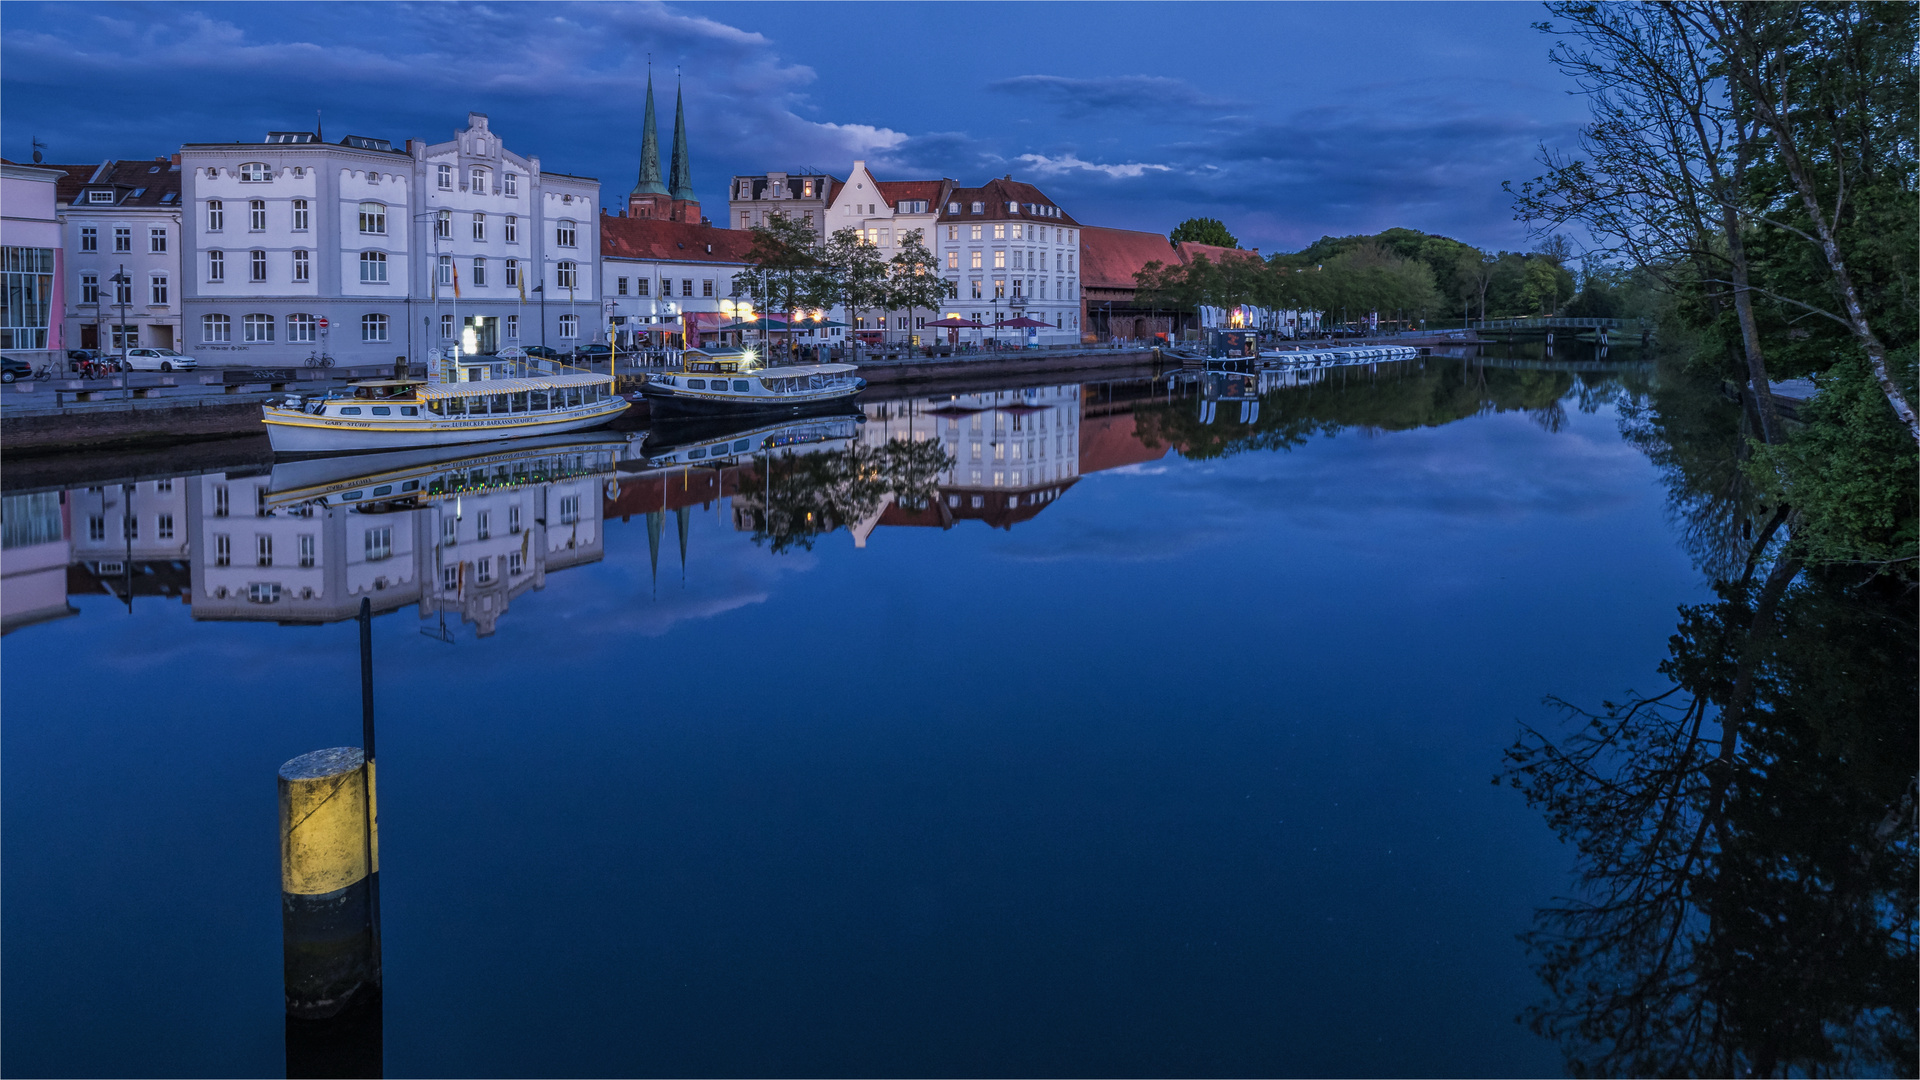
[
  {"x": 852, "y": 272},
  {"x": 912, "y": 282},
  {"x": 785, "y": 267},
  {"x": 1203, "y": 231}
]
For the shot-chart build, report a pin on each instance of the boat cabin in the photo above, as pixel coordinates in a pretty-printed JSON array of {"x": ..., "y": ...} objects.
[{"x": 718, "y": 361}]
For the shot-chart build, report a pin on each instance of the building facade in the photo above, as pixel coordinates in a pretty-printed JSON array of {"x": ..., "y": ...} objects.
[
  {"x": 32, "y": 264},
  {"x": 886, "y": 214},
  {"x": 1010, "y": 252},
  {"x": 294, "y": 249},
  {"x": 668, "y": 198},
  {"x": 661, "y": 277},
  {"x": 122, "y": 219},
  {"x": 753, "y": 200}
]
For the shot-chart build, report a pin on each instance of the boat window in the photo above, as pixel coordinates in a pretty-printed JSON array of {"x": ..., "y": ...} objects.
[
  {"x": 352, "y": 495},
  {"x": 409, "y": 410},
  {"x": 539, "y": 400},
  {"x": 520, "y": 401},
  {"x": 497, "y": 403},
  {"x": 697, "y": 453},
  {"x": 411, "y": 485},
  {"x": 382, "y": 410},
  {"x": 740, "y": 445},
  {"x": 696, "y": 384},
  {"x": 383, "y": 489},
  {"x": 740, "y": 386},
  {"x": 350, "y": 410}
]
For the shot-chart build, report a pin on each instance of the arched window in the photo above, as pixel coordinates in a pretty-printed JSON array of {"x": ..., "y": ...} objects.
[
  {"x": 565, "y": 276},
  {"x": 564, "y": 233},
  {"x": 256, "y": 172},
  {"x": 216, "y": 328},
  {"x": 257, "y": 328},
  {"x": 479, "y": 181},
  {"x": 373, "y": 328},
  {"x": 373, "y": 218},
  {"x": 302, "y": 327}
]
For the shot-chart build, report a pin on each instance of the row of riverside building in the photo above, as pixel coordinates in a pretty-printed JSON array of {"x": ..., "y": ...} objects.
[{"x": 292, "y": 248}]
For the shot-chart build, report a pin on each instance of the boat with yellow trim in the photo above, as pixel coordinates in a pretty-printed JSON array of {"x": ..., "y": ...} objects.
[
  {"x": 726, "y": 382},
  {"x": 391, "y": 414}
]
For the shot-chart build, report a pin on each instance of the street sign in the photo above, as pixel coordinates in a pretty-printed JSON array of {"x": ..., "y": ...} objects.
[{"x": 323, "y": 322}]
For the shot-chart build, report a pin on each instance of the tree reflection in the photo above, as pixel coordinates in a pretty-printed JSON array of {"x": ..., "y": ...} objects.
[
  {"x": 1746, "y": 839},
  {"x": 805, "y": 496}
]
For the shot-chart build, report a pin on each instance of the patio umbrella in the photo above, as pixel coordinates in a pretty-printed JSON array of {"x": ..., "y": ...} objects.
[
  {"x": 957, "y": 323},
  {"x": 766, "y": 324},
  {"x": 1023, "y": 322}
]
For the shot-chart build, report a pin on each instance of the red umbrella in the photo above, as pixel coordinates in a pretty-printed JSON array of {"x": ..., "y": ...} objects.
[
  {"x": 1023, "y": 322},
  {"x": 956, "y": 323}
]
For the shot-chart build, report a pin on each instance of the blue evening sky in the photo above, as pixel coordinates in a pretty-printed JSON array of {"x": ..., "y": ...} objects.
[{"x": 1287, "y": 121}]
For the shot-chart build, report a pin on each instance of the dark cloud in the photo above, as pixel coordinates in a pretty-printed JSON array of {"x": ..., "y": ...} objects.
[{"x": 1134, "y": 96}]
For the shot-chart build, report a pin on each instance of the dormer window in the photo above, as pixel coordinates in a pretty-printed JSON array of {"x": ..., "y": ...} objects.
[
  {"x": 953, "y": 208},
  {"x": 299, "y": 171},
  {"x": 746, "y": 189},
  {"x": 99, "y": 196},
  {"x": 806, "y": 189},
  {"x": 979, "y": 208},
  {"x": 213, "y": 173},
  {"x": 1013, "y": 208},
  {"x": 256, "y": 172}
]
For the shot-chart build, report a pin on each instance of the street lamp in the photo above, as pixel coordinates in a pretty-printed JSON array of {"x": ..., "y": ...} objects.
[
  {"x": 122, "y": 299},
  {"x": 542, "y": 290}
]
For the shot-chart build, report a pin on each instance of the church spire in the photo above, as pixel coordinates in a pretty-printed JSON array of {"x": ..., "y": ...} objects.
[
  {"x": 650, "y": 182},
  {"x": 681, "y": 175}
]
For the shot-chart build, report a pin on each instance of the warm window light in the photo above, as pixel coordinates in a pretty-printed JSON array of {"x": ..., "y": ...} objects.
[{"x": 469, "y": 341}]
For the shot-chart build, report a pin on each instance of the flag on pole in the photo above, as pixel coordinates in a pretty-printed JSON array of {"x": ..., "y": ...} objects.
[
  {"x": 456, "y": 281},
  {"x": 521, "y": 280}
]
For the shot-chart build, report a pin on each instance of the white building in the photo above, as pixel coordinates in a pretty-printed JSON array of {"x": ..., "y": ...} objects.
[
  {"x": 31, "y": 263},
  {"x": 121, "y": 219},
  {"x": 1010, "y": 252},
  {"x": 886, "y": 213},
  {"x": 294, "y": 248}
]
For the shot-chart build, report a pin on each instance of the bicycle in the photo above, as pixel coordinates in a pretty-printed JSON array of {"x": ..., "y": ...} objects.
[
  {"x": 319, "y": 360},
  {"x": 45, "y": 371}
]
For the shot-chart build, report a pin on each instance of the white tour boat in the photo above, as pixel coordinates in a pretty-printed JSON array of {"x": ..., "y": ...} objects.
[
  {"x": 391, "y": 414},
  {"x": 729, "y": 382}
]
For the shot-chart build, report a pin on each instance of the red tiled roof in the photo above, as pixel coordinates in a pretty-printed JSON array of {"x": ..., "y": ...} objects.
[
  {"x": 895, "y": 190},
  {"x": 1110, "y": 257},
  {"x": 1108, "y": 442},
  {"x": 1214, "y": 252},
  {"x": 996, "y": 194},
  {"x": 153, "y": 178},
  {"x": 672, "y": 241}
]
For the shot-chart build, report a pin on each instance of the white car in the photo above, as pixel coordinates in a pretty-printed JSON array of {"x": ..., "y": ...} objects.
[{"x": 159, "y": 360}]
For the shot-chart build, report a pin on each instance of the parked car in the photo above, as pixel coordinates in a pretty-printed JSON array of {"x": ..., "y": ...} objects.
[
  {"x": 76, "y": 357},
  {"x": 12, "y": 367},
  {"x": 159, "y": 360},
  {"x": 543, "y": 352}
]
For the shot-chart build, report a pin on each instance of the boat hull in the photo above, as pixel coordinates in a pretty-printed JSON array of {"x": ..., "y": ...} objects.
[
  {"x": 293, "y": 432},
  {"x": 663, "y": 401}
]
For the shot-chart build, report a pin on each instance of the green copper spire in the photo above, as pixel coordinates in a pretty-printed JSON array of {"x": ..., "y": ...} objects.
[
  {"x": 682, "y": 173},
  {"x": 650, "y": 182}
]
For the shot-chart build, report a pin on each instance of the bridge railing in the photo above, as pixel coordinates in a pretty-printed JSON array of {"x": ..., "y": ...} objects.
[{"x": 1558, "y": 324}]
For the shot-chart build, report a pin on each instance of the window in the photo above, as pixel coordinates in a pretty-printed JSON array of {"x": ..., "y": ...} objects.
[
  {"x": 256, "y": 266},
  {"x": 373, "y": 218},
  {"x": 979, "y": 208},
  {"x": 806, "y": 218},
  {"x": 999, "y": 260},
  {"x": 301, "y": 219},
  {"x": 263, "y": 550},
  {"x": 746, "y": 219},
  {"x": 513, "y": 273},
  {"x": 379, "y": 543},
  {"x": 806, "y": 189},
  {"x": 512, "y": 186},
  {"x": 263, "y": 592},
  {"x": 515, "y": 565},
  {"x": 302, "y": 265},
  {"x": 976, "y": 289},
  {"x": 255, "y": 172},
  {"x": 953, "y": 208},
  {"x": 157, "y": 241},
  {"x": 569, "y": 509},
  {"x": 623, "y": 287},
  {"x": 513, "y": 518},
  {"x": 97, "y": 527},
  {"x": 999, "y": 232},
  {"x": 513, "y": 328},
  {"x": 100, "y": 196},
  {"x": 569, "y": 326},
  {"x": 216, "y": 328},
  {"x": 479, "y": 273},
  {"x": 157, "y": 289},
  {"x": 641, "y": 285},
  {"x": 443, "y": 223},
  {"x": 446, "y": 326},
  {"x": 450, "y": 577},
  {"x": 163, "y": 527},
  {"x": 373, "y": 328},
  {"x": 478, "y": 181},
  {"x": 373, "y": 267},
  {"x": 89, "y": 238},
  {"x": 257, "y": 328},
  {"x": 446, "y": 177},
  {"x": 302, "y": 327},
  {"x": 975, "y": 232},
  {"x": 89, "y": 288},
  {"x": 126, "y": 337},
  {"x": 686, "y": 286},
  {"x": 999, "y": 288},
  {"x": 565, "y": 278},
  {"x": 483, "y": 570},
  {"x": 257, "y": 215},
  {"x": 975, "y": 257},
  {"x": 483, "y": 525},
  {"x": 222, "y": 550},
  {"x": 706, "y": 286},
  {"x": 953, "y": 260},
  {"x": 563, "y": 234},
  {"x": 444, "y": 269},
  {"x": 306, "y": 549},
  {"x": 513, "y": 227},
  {"x": 123, "y": 239},
  {"x": 122, "y": 289},
  {"x": 130, "y": 527}
]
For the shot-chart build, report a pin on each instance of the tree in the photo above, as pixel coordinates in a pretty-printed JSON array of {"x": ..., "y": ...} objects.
[
  {"x": 912, "y": 282},
  {"x": 851, "y": 271},
  {"x": 785, "y": 265},
  {"x": 1203, "y": 230}
]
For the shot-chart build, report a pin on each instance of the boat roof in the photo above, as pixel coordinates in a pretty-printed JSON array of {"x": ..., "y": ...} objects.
[
  {"x": 506, "y": 386},
  {"x": 795, "y": 371}
]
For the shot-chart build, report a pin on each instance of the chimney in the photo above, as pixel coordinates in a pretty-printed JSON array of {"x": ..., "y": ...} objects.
[{"x": 176, "y": 161}]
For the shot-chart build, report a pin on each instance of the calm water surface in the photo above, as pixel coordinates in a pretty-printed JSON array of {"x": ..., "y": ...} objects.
[{"x": 1178, "y": 766}]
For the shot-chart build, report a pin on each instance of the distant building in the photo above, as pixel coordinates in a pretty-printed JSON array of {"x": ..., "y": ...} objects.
[
  {"x": 1111, "y": 258},
  {"x": 752, "y": 200},
  {"x": 661, "y": 277},
  {"x": 32, "y": 265},
  {"x": 1010, "y": 252},
  {"x": 122, "y": 218},
  {"x": 364, "y": 252},
  {"x": 670, "y": 198}
]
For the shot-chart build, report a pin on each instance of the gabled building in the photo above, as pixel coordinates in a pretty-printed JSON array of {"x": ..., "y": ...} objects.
[
  {"x": 1010, "y": 251},
  {"x": 752, "y": 200},
  {"x": 887, "y": 213},
  {"x": 121, "y": 219}
]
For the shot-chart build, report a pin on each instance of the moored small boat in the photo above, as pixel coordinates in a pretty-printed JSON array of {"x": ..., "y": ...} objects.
[{"x": 730, "y": 382}]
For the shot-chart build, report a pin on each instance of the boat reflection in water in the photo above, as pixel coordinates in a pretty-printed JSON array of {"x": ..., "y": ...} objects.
[{"x": 450, "y": 529}]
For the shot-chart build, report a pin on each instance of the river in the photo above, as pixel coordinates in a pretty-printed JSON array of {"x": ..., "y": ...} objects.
[{"x": 1118, "y": 743}]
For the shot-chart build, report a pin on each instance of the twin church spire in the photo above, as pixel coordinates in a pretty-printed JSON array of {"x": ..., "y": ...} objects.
[{"x": 671, "y": 196}]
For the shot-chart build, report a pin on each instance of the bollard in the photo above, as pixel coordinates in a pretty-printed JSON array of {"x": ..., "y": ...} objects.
[{"x": 329, "y": 859}]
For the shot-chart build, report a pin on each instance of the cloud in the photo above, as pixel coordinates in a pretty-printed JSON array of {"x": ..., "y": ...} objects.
[
  {"x": 1054, "y": 166},
  {"x": 1133, "y": 94}
]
